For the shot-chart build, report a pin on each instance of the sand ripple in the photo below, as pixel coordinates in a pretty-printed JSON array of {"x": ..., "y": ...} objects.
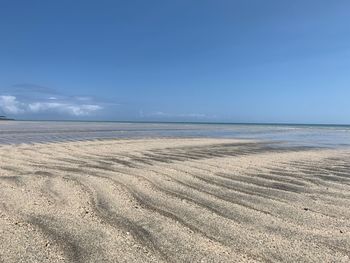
[{"x": 174, "y": 200}]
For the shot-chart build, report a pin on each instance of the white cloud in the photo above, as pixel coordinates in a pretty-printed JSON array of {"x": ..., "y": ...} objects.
[
  {"x": 180, "y": 115},
  {"x": 10, "y": 105},
  {"x": 83, "y": 98},
  {"x": 71, "y": 109},
  {"x": 81, "y": 110}
]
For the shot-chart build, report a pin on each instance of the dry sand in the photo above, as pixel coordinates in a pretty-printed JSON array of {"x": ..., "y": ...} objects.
[{"x": 173, "y": 200}]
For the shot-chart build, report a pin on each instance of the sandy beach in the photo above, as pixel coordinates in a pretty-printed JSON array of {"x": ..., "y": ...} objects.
[{"x": 174, "y": 200}]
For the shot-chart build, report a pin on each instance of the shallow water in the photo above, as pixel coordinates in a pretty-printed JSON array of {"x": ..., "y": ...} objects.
[{"x": 17, "y": 132}]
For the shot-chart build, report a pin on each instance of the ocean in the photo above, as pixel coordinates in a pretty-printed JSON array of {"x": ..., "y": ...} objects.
[{"x": 18, "y": 132}]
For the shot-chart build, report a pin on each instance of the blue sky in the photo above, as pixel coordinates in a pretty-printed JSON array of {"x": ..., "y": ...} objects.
[{"x": 226, "y": 61}]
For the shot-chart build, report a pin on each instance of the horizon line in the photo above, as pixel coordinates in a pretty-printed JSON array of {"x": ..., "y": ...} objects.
[{"x": 192, "y": 122}]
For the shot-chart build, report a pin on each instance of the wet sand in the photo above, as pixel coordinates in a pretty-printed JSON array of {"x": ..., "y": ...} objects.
[{"x": 174, "y": 200}]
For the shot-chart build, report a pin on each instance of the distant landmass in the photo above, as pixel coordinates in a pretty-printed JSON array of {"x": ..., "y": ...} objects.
[{"x": 4, "y": 118}]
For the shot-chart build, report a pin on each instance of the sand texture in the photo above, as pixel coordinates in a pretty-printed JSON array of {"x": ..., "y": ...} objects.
[{"x": 173, "y": 200}]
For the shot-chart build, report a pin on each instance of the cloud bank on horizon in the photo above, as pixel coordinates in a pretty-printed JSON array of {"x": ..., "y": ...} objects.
[
  {"x": 11, "y": 105},
  {"x": 30, "y": 99}
]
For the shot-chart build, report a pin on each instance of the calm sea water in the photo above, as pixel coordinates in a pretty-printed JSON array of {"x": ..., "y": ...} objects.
[{"x": 17, "y": 132}]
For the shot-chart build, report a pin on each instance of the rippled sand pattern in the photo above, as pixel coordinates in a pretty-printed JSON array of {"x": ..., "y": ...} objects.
[{"x": 173, "y": 200}]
